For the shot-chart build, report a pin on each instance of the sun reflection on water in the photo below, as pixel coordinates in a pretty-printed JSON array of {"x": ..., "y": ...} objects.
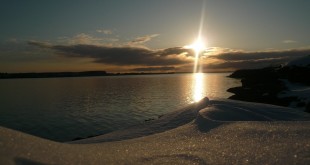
[{"x": 198, "y": 86}]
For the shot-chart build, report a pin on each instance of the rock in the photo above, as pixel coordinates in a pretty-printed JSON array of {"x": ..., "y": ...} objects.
[
  {"x": 308, "y": 107},
  {"x": 264, "y": 85}
]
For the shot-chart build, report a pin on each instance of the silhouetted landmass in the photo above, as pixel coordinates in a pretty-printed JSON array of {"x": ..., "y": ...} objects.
[
  {"x": 264, "y": 85},
  {"x": 295, "y": 74},
  {"x": 259, "y": 85},
  {"x": 68, "y": 74}
]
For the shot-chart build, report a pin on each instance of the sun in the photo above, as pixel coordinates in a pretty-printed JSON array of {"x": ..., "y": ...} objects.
[{"x": 198, "y": 45}]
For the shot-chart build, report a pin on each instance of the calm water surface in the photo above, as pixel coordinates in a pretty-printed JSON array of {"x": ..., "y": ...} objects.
[{"x": 62, "y": 109}]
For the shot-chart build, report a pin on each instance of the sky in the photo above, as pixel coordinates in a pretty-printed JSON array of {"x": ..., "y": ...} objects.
[{"x": 150, "y": 36}]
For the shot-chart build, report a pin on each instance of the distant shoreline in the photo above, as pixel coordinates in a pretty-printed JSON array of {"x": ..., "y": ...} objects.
[
  {"x": 78, "y": 74},
  {"x": 66, "y": 74}
]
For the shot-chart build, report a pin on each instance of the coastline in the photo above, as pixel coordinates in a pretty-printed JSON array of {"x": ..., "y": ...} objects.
[
  {"x": 282, "y": 85},
  {"x": 209, "y": 132}
]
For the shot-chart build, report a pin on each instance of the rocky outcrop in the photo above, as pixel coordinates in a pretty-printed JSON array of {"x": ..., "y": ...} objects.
[{"x": 264, "y": 85}]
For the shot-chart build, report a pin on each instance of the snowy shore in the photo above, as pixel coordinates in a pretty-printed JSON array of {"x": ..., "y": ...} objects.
[
  {"x": 209, "y": 132},
  {"x": 285, "y": 85}
]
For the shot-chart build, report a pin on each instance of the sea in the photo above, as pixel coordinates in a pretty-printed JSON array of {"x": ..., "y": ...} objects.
[{"x": 64, "y": 109}]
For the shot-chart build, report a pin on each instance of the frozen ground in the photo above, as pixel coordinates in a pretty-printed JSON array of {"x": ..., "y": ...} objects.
[
  {"x": 210, "y": 132},
  {"x": 300, "y": 91}
]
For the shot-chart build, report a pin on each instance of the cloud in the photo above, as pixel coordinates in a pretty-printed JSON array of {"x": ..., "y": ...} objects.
[
  {"x": 39, "y": 44},
  {"x": 233, "y": 65},
  {"x": 104, "y": 31},
  {"x": 143, "y": 39},
  {"x": 20, "y": 51},
  {"x": 88, "y": 39},
  {"x": 83, "y": 38},
  {"x": 211, "y": 51},
  {"x": 152, "y": 69},
  {"x": 246, "y": 60},
  {"x": 176, "y": 50},
  {"x": 171, "y": 59},
  {"x": 289, "y": 41},
  {"x": 259, "y": 55},
  {"x": 117, "y": 55}
]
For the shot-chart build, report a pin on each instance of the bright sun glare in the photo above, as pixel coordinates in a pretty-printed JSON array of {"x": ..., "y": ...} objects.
[
  {"x": 198, "y": 86},
  {"x": 198, "y": 46},
  {"x": 198, "y": 78}
]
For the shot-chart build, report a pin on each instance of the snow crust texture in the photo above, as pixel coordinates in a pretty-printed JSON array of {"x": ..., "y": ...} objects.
[{"x": 209, "y": 132}]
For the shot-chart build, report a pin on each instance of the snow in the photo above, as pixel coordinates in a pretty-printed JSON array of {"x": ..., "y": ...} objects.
[
  {"x": 300, "y": 91},
  {"x": 217, "y": 131}
]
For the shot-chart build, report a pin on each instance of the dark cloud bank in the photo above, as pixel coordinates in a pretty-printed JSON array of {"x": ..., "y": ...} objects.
[
  {"x": 119, "y": 55},
  {"x": 247, "y": 60},
  {"x": 154, "y": 69},
  {"x": 171, "y": 58}
]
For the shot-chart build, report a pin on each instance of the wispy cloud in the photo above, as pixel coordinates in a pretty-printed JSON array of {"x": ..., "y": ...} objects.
[
  {"x": 40, "y": 44},
  {"x": 104, "y": 31},
  {"x": 83, "y": 38},
  {"x": 289, "y": 41},
  {"x": 176, "y": 51},
  {"x": 88, "y": 39},
  {"x": 156, "y": 69},
  {"x": 16, "y": 51},
  {"x": 143, "y": 39}
]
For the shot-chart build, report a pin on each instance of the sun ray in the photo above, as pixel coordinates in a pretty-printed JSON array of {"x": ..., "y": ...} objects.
[{"x": 199, "y": 44}]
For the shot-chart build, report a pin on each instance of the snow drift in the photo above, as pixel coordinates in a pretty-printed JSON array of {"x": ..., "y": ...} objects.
[{"x": 209, "y": 132}]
